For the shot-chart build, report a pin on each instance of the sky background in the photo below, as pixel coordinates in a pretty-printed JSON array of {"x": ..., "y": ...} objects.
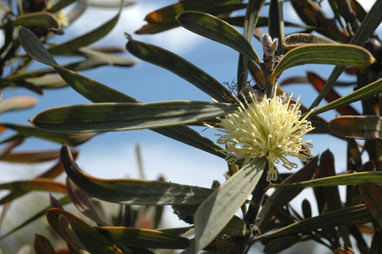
[{"x": 112, "y": 155}]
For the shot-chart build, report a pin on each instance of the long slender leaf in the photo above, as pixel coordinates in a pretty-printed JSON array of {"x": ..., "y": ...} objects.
[
  {"x": 336, "y": 54},
  {"x": 132, "y": 191},
  {"x": 372, "y": 20},
  {"x": 36, "y": 19},
  {"x": 360, "y": 94},
  {"x": 128, "y": 116},
  {"x": 86, "y": 39},
  {"x": 350, "y": 215},
  {"x": 362, "y": 127},
  {"x": 148, "y": 238},
  {"x": 180, "y": 67},
  {"x": 218, "y": 30},
  {"x": 344, "y": 179},
  {"x": 218, "y": 209},
  {"x": 98, "y": 92},
  {"x": 276, "y": 23}
]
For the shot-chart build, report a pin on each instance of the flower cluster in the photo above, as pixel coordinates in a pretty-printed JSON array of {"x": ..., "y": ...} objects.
[{"x": 267, "y": 127}]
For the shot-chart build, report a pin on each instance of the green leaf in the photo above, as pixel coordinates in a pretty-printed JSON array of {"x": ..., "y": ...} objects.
[
  {"x": 139, "y": 237},
  {"x": 344, "y": 179},
  {"x": 59, "y": 5},
  {"x": 372, "y": 20},
  {"x": 276, "y": 23},
  {"x": 68, "y": 138},
  {"x": 362, "y": 127},
  {"x": 180, "y": 67},
  {"x": 349, "y": 215},
  {"x": 128, "y": 116},
  {"x": 132, "y": 191},
  {"x": 218, "y": 30},
  {"x": 86, "y": 39},
  {"x": 17, "y": 103},
  {"x": 336, "y": 54},
  {"x": 360, "y": 94},
  {"x": 36, "y": 19},
  {"x": 97, "y": 92},
  {"x": 218, "y": 209}
]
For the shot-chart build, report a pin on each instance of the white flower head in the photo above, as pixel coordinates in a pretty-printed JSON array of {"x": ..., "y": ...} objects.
[{"x": 267, "y": 127}]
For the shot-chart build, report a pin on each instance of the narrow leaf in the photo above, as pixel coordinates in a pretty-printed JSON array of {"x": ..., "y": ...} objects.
[
  {"x": 299, "y": 39},
  {"x": 218, "y": 209},
  {"x": 139, "y": 237},
  {"x": 36, "y": 19},
  {"x": 360, "y": 94},
  {"x": 336, "y": 54},
  {"x": 218, "y": 30},
  {"x": 180, "y": 67},
  {"x": 30, "y": 157},
  {"x": 344, "y": 179},
  {"x": 132, "y": 191},
  {"x": 364, "y": 32},
  {"x": 97, "y": 92},
  {"x": 128, "y": 116},
  {"x": 350, "y": 215},
  {"x": 42, "y": 245},
  {"x": 362, "y": 127},
  {"x": 86, "y": 39}
]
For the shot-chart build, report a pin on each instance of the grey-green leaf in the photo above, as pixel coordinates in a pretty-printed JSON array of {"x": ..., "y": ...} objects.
[
  {"x": 180, "y": 67},
  {"x": 218, "y": 209},
  {"x": 218, "y": 30},
  {"x": 129, "y": 116},
  {"x": 336, "y": 54},
  {"x": 132, "y": 191}
]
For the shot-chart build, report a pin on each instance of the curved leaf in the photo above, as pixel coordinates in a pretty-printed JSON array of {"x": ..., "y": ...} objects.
[
  {"x": 299, "y": 39},
  {"x": 86, "y": 39},
  {"x": 349, "y": 215},
  {"x": 42, "y": 245},
  {"x": 180, "y": 67},
  {"x": 98, "y": 92},
  {"x": 218, "y": 209},
  {"x": 128, "y": 116},
  {"x": 139, "y": 237},
  {"x": 344, "y": 179},
  {"x": 336, "y": 54},
  {"x": 59, "y": 5},
  {"x": 360, "y": 94},
  {"x": 218, "y": 30},
  {"x": 372, "y": 20},
  {"x": 30, "y": 157},
  {"x": 36, "y": 19},
  {"x": 362, "y": 127},
  {"x": 132, "y": 191}
]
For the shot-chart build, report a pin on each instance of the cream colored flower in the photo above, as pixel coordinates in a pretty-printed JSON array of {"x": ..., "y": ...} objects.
[{"x": 268, "y": 128}]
